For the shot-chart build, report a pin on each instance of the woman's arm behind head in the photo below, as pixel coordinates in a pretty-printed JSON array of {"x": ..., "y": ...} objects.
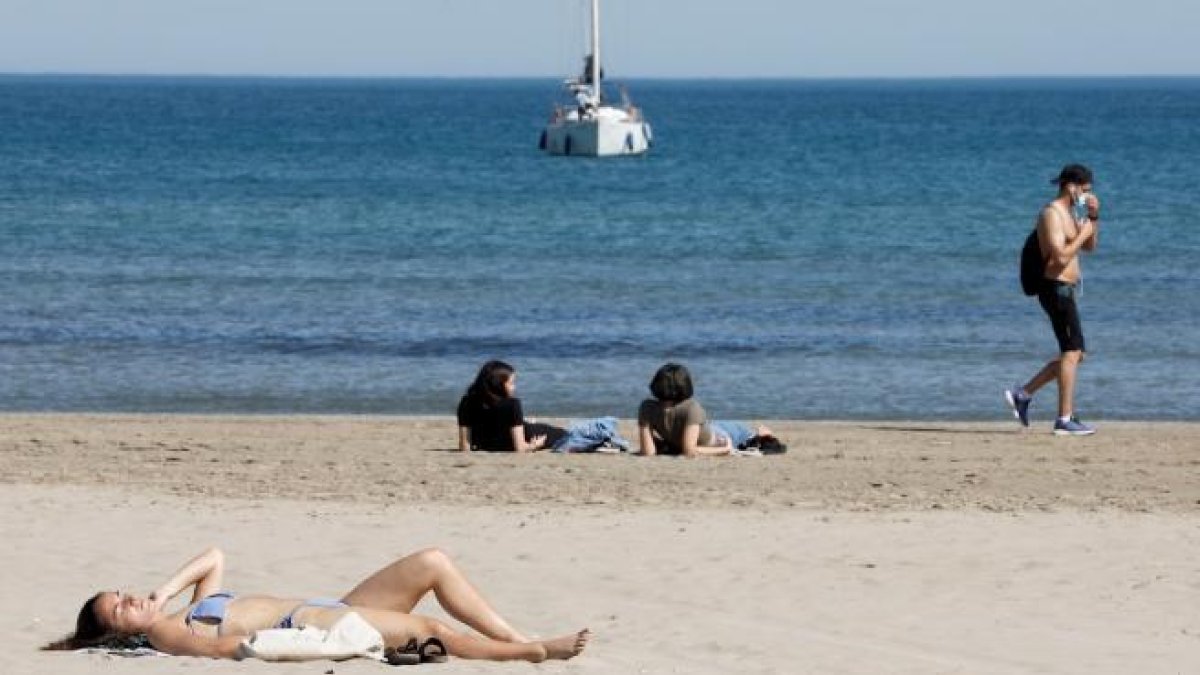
[{"x": 205, "y": 572}]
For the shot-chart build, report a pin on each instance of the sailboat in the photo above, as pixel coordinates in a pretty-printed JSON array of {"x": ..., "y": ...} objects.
[{"x": 594, "y": 126}]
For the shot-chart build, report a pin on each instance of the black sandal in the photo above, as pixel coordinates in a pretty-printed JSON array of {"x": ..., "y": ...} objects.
[
  {"x": 408, "y": 655},
  {"x": 433, "y": 651}
]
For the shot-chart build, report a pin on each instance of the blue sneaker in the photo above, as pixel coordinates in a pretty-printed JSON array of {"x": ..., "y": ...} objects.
[
  {"x": 1018, "y": 400},
  {"x": 1072, "y": 427}
]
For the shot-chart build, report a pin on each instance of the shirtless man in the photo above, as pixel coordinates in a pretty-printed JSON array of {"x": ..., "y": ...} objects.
[{"x": 1062, "y": 237}]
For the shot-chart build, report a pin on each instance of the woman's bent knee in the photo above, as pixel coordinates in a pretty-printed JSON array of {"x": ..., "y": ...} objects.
[{"x": 433, "y": 557}]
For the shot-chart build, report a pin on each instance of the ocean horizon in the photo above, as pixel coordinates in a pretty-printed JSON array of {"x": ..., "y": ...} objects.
[{"x": 557, "y": 79}]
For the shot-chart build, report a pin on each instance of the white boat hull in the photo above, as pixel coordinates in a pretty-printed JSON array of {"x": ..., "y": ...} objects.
[
  {"x": 593, "y": 127},
  {"x": 596, "y": 137}
]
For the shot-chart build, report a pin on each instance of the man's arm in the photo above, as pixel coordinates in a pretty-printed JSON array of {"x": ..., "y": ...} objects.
[
  {"x": 1093, "y": 207},
  {"x": 1090, "y": 243}
]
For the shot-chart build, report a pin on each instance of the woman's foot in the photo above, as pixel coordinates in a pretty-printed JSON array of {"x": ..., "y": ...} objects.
[{"x": 567, "y": 646}]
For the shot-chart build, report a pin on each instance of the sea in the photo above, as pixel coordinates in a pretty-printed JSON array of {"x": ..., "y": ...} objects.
[{"x": 810, "y": 249}]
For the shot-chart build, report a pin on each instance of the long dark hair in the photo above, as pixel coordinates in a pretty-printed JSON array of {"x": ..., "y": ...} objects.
[
  {"x": 89, "y": 631},
  {"x": 672, "y": 383},
  {"x": 488, "y": 387}
]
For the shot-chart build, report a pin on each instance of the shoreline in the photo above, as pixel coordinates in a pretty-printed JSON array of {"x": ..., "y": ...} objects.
[
  {"x": 836, "y": 466},
  {"x": 1001, "y": 417}
]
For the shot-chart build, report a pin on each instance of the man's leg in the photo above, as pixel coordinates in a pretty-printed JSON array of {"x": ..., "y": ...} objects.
[
  {"x": 1019, "y": 397},
  {"x": 1046, "y": 375},
  {"x": 1066, "y": 382},
  {"x": 1058, "y": 301},
  {"x": 1067, "y": 424}
]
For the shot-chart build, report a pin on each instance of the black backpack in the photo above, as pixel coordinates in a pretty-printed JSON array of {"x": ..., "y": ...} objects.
[{"x": 1033, "y": 265}]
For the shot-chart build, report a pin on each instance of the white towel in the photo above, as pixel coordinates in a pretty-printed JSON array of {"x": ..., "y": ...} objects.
[{"x": 350, "y": 637}]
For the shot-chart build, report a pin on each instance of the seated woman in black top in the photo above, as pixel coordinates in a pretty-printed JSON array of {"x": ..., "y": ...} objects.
[{"x": 490, "y": 417}]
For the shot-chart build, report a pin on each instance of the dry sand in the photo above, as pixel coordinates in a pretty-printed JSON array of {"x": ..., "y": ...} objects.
[{"x": 868, "y": 548}]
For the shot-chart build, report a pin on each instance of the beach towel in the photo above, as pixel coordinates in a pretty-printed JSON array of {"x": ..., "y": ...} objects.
[
  {"x": 125, "y": 647},
  {"x": 123, "y": 652}
]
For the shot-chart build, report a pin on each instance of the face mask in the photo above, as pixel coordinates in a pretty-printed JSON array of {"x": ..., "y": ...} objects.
[{"x": 1081, "y": 207}]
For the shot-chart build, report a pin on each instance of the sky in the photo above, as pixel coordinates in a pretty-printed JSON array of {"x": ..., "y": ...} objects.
[{"x": 641, "y": 38}]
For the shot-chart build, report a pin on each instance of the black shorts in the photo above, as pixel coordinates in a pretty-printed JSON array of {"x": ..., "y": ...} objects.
[{"x": 1058, "y": 299}]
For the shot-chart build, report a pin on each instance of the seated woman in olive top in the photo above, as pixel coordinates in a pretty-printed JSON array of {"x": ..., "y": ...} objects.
[
  {"x": 490, "y": 415},
  {"x": 215, "y": 623},
  {"x": 674, "y": 423}
]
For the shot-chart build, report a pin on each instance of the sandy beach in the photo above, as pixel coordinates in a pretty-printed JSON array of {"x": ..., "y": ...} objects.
[{"x": 868, "y": 548}]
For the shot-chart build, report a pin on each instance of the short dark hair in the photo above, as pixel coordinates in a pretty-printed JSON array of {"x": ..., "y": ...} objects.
[
  {"x": 488, "y": 386},
  {"x": 1075, "y": 174},
  {"x": 672, "y": 383}
]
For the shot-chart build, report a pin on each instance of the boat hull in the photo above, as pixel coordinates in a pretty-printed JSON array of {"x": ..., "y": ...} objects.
[{"x": 599, "y": 137}]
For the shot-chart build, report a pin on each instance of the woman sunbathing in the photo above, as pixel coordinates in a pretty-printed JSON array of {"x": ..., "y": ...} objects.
[{"x": 215, "y": 623}]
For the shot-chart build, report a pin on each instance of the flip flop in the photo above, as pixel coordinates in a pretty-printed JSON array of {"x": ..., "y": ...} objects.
[
  {"x": 433, "y": 651},
  {"x": 408, "y": 655}
]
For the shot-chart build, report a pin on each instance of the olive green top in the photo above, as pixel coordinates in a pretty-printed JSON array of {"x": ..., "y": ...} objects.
[{"x": 668, "y": 421}]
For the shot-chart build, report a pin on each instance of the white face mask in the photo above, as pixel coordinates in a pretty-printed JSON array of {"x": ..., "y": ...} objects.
[{"x": 1080, "y": 207}]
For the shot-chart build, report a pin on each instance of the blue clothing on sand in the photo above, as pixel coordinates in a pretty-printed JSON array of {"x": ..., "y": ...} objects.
[
  {"x": 737, "y": 432},
  {"x": 587, "y": 435}
]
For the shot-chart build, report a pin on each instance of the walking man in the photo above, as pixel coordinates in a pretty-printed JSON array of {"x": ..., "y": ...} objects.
[{"x": 1065, "y": 226}]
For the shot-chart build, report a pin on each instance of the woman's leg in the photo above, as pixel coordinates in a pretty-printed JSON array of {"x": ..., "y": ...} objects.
[
  {"x": 473, "y": 647},
  {"x": 401, "y": 585},
  {"x": 398, "y": 628},
  {"x": 737, "y": 432}
]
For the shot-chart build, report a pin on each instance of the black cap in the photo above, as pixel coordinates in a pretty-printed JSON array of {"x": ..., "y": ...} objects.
[{"x": 1077, "y": 174}]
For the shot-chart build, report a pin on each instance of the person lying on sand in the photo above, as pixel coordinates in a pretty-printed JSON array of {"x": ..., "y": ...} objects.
[
  {"x": 674, "y": 422},
  {"x": 214, "y": 623},
  {"x": 490, "y": 415}
]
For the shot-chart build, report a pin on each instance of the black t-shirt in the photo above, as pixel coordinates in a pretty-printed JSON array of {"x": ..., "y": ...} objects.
[{"x": 490, "y": 425}]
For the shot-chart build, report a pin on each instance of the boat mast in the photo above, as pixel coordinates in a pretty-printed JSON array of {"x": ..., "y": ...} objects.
[{"x": 596, "y": 51}]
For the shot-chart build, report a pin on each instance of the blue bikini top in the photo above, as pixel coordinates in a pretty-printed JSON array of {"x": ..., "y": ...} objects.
[{"x": 210, "y": 609}]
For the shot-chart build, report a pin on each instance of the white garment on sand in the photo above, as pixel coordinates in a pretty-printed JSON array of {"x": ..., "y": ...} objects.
[{"x": 349, "y": 638}]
